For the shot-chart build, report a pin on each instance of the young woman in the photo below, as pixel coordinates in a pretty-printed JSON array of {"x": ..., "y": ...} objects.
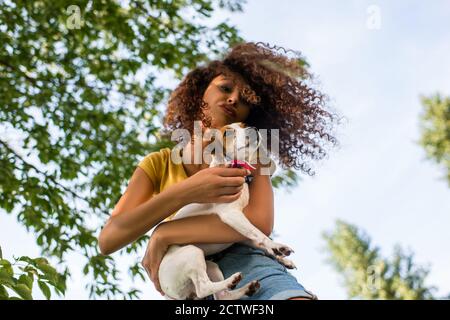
[{"x": 253, "y": 84}]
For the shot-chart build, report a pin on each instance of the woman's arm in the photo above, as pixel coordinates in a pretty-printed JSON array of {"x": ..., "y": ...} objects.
[
  {"x": 210, "y": 229},
  {"x": 138, "y": 210},
  {"x": 131, "y": 219}
]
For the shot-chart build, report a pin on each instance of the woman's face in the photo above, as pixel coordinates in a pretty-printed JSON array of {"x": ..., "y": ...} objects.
[{"x": 225, "y": 101}]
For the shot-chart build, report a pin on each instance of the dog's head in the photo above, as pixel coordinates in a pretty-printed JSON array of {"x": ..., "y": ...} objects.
[
  {"x": 240, "y": 142},
  {"x": 237, "y": 143}
]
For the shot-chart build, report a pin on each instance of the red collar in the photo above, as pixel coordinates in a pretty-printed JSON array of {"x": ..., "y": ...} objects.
[{"x": 244, "y": 164}]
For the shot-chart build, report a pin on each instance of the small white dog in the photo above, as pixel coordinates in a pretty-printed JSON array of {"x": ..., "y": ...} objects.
[{"x": 184, "y": 273}]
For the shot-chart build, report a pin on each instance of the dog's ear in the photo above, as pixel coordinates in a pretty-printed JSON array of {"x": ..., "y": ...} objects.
[
  {"x": 219, "y": 139},
  {"x": 227, "y": 138},
  {"x": 213, "y": 138}
]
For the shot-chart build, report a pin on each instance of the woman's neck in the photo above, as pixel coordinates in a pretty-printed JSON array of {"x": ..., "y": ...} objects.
[{"x": 192, "y": 168}]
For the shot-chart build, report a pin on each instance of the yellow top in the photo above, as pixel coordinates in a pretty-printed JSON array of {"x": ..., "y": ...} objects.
[{"x": 162, "y": 171}]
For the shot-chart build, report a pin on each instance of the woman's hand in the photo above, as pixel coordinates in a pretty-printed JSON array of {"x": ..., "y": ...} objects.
[
  {"x": 156, "y": 249},
  {"x": 215, "y": 185}
]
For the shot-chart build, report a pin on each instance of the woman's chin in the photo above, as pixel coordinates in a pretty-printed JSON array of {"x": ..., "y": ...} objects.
[{"x": 220, "y": 122}]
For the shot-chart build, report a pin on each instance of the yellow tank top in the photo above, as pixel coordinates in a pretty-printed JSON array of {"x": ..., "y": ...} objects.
[{"x": 162, "y": 171}]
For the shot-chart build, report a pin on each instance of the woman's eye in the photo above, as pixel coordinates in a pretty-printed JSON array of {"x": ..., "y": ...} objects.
[{"x": 225, "y": 88}]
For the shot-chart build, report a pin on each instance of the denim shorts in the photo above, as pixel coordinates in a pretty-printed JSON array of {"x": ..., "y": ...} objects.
[{"x": 276, "y": 282}]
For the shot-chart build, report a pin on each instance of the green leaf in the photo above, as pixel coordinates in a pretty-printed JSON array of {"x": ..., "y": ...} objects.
[
  {"x": 41, "y": 261},
  {"x": 26, "y": 280},
  {"x": 30, "y": 269},
  {"x": 5, "y": 264},
  {"x": 3, "y": 293},
  {"x": 6, "y": 277},
  {"x": 45, "y": 289},
  {"x": 23, "y": 291},
  {"x": 86, "y": 269},
  {"x": 61, "y": 284},
  {"x": 25, "y": 259},
  {"x": 49, "y": 272}
]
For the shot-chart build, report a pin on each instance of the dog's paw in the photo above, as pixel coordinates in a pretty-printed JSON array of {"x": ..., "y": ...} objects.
[
  {"x": 286, "y": 251},
  {"x": 286, "y": 262},
  {"x": 252, "y": 287},
  {"x": 235, "y": 278},
  {"x": 278, "y": 249}
]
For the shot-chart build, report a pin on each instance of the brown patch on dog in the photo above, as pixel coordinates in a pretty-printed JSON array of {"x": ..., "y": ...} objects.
[
  {"x": 254, "y": 286},
  {"x": 235, "y": 281},
  {"x": 191, "y": 296}
]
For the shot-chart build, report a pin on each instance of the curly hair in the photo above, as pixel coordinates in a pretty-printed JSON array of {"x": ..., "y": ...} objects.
[{"x": 279, "y": 92}]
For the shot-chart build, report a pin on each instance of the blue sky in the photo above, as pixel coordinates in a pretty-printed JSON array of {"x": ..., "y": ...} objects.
[{"x": 379, "y": 178}]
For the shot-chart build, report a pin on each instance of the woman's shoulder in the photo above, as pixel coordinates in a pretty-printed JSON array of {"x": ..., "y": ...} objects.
[
  {"x": 160, "y": 154},
  {"x": 154, "y": 163}
]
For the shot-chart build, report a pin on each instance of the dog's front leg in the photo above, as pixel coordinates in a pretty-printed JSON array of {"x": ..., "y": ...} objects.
[{"x": 238, "y": 221}]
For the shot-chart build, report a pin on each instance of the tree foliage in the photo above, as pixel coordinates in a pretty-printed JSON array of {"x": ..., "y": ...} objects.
[
  {"x": 18, "y": 278},
  {"x": 286, "y": 179},
  {"x": 367, "y": 275},
  {"x": 80, "y": 104},
  {"x": 79, "y": 88},
  {"x": 435, "y": 126}
]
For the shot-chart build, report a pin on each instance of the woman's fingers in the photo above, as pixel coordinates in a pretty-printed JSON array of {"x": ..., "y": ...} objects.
[
  {"x": 155, "y": 280},
  {"x": 147, "y": 269},
  {"x": 232, "y": 181},
  {"x": 230, "y": 190},
  {"x": 152, "y": 275},
  {"x": 229, "y": 198},
  {"x": 233, "y": 172}
]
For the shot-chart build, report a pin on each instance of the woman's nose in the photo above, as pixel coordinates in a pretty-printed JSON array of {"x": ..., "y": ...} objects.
[{"x": 232, "y": 99}]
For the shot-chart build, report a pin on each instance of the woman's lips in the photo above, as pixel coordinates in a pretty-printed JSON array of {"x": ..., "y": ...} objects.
[{"x": 229, "y": 111}]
